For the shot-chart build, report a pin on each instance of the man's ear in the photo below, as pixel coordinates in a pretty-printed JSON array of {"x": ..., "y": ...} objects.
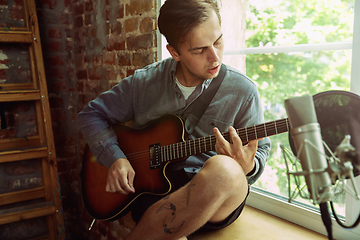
[{"x": 173, "y": 52}]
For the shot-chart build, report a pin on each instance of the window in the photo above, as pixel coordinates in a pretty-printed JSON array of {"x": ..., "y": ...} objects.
[{"x": 291, "y": 48}]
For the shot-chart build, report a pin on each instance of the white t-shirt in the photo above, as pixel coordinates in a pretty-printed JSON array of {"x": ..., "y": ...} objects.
[{"x": 187, "y": 91}]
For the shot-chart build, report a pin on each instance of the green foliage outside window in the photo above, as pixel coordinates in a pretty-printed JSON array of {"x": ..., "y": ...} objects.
[{"x": 283, "y": 75}]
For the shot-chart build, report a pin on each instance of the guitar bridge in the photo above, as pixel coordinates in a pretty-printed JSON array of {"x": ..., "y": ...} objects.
[{"x": 154, "y": 156}]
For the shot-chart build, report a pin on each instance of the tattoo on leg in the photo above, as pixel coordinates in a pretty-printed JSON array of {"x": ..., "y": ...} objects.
[
  {"x": 169, "y": 218},
  {"x": 188, "y": 193}
]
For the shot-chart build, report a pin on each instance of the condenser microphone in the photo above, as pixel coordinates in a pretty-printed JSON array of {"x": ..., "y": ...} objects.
[{"x": 306, "y": 135}]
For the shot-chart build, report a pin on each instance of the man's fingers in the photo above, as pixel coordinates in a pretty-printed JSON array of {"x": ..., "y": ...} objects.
[
  {"x": 218, "y": 134},
  {"x": 253, "y": 145},
  {"x": 235, "y": 137},
  {"x": 220, "y": 142},
  {"x": 131, "y": 182}
]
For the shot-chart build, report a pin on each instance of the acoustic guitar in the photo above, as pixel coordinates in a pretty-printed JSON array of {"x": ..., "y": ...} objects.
[{"x": 149, "y": 151}]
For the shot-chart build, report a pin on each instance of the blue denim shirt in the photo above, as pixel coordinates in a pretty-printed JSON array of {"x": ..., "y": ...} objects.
[{"x": 152, "y": 92}]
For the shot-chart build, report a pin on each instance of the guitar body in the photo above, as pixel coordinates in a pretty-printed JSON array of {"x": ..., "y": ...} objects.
[{"x": 135, "y": 143}]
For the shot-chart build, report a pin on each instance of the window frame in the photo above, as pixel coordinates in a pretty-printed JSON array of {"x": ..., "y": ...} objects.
[{"x": 297, "y": 213}]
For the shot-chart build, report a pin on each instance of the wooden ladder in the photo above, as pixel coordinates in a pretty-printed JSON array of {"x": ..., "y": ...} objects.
[{"x": 27, "y": 198}]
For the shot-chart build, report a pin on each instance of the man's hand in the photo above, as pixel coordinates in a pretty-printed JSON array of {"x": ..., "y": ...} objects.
[
  {"x": 244, "y": 155},
  {"x": 121, "y": 177}
]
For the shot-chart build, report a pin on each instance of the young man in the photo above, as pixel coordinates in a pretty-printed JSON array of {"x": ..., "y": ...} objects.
[{"x": 212, "y": 187}]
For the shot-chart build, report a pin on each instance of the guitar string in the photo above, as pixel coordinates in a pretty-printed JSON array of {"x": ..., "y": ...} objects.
[{"x": 209, "y": 143}]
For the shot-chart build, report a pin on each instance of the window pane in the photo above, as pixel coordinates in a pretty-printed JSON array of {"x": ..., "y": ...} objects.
[
  {"x": 274, "y": 23},
  {"x": 283, "y": 75}
]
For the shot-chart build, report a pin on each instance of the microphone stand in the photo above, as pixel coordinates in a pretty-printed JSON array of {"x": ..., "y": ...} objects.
[
  {"x": 337, "y": 166},
  {"x": 325, "y": 216}
]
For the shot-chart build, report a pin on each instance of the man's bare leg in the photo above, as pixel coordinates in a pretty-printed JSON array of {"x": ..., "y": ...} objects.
[{"x": 212, "y": 195}]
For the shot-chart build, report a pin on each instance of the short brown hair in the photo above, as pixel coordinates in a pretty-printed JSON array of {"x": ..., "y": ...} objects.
[{"x": 178, "y": 17}]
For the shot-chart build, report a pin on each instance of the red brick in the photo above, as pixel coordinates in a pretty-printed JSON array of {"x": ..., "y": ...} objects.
[
  {"x": 83, "y": 100},
  {"x": 131, "y": 25},
  {"x": 109, "y": 58},
  {"x": 52, "y": 46},
  {"x": 78, "y": 22},
  {"x": 65, "y": 18},
  {"x": 124, "y": 59},
  {"x": 59, "y": 115},
  {"x": 120, "y": 13},
  {"x": 56, "y": 102},
  {"x": 50, "y": 3},
  {"x": 138, "y": 7},
  {"x": 58, "y": 86},
  {"x": 95, "y": 74},
  {"x": 70, "y": 72},
  {"x": 53, "y": 61},
  {"x": 61, "y": 166},
  {"x": 78, "y": 9},
  {"x": 147, "y": 25},
  {"x": 89, "y": 6},
  {"x": 54, "y": 32},
  {"x": 54, "y": 73},
  {"x": 107, "y": 14},
  {"x": 67, "y": 3},
  {"x": 110, "y": 74},
  {"x": 88, "y": 18},
  {"x": 140, "y": 42},
  {"x": 66, "y": 140},
  {"x": 115, "y": 45},
  {"x": 130, "y": 72},
  {"x": 59, "y": 128},
  {"x": 117, "y": 29},
  {"x": 141, "y": 59},
  {"x": 82, "y": 74},
  {"x": 91, "y": 86}
]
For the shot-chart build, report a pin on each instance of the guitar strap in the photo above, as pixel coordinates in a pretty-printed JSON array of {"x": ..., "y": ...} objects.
[{"x": 198, "y": 108}]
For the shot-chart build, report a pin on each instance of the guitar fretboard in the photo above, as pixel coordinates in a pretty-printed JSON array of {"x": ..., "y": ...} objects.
[{"x": 204, "y": 144}]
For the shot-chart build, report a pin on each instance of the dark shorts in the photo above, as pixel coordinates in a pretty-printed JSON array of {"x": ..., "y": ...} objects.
[{"x": 179, "y": 179}]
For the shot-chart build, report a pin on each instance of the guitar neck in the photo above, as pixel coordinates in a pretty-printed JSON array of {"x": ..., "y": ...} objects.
[{"x": 205, "y": 144}]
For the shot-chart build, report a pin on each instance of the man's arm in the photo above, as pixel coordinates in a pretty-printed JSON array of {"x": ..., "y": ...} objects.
[{"x": 95, "y": 122}]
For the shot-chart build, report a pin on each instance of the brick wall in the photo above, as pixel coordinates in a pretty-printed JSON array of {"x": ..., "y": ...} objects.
[{"x": 89, "y": 46}]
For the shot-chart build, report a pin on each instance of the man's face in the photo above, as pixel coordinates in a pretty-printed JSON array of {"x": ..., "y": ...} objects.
[{"x": 200, "y": 56}]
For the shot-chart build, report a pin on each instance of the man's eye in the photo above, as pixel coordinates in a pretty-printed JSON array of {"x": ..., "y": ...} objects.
[{"x": 198, "y": 51}]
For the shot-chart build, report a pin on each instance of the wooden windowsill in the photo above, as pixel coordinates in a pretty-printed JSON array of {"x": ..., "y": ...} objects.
[{"x": 255, "y": 224}]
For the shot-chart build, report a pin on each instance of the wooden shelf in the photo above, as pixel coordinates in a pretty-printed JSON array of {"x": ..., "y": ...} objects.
[
  {"x": 26, "y": 212},
  {"x": 16, "y": 37},
  {"x": 19, "y": 95},
  {"x": 38, "y": 146},
  {"x": 20, "y": 196},
  {"x": 16, "y": 86},
  {"x": 10, "y": 144},
  {"x": 23, "y": 154}
]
